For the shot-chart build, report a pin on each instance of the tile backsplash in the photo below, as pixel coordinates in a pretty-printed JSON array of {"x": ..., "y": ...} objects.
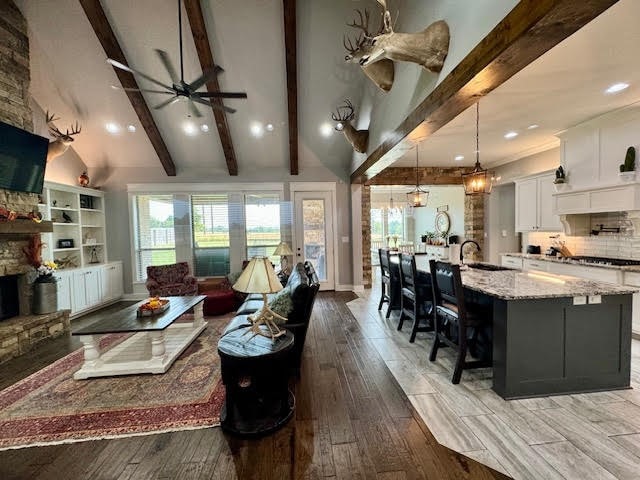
[{"x": 623, "y": 244}]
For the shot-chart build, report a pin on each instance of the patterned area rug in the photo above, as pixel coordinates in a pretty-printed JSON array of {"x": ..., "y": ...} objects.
[{"x": 51, "y": 407}]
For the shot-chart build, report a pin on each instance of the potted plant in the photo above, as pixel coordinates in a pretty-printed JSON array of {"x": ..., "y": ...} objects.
[
  {"x": 45, "y": 290},
  {"x": 430, "y": 236},
  {"x": 560, "y": 183},
  {"x": 628, "y": 168}
]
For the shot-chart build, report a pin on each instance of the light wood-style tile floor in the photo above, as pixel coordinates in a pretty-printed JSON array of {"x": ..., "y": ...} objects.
[{"x": 586, "y": 436}]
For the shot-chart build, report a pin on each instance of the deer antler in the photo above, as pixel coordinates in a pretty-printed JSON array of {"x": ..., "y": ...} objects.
[
  {"x": 350, "y": 47},
  {"x": 50, "y": 118},
  {"x": 342, "y": 116},
  {"x": 75, "y": 129},
  {"x": 364, "y": 22}
]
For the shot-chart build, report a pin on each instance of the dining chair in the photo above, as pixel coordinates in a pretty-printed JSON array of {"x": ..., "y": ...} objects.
[
  {"x": 390, "y": 282},
  {"x": 416, "y": 298},
  {"x": 456, "y": 325}
]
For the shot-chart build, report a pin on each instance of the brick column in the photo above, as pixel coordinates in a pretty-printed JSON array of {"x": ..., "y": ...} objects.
[
  {"x": 366, "y": 236},
  {"x": 474, "y": 221}
]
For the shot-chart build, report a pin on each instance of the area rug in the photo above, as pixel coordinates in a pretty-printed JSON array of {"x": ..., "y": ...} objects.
[{"x": 51, "y": 407}]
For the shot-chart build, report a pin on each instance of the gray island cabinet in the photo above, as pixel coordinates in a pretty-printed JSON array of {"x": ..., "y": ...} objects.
[{"x": 554, "y": 334}]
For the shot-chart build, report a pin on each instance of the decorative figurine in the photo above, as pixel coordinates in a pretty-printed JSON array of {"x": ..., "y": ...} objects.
[{"x": 83, "y": 179}]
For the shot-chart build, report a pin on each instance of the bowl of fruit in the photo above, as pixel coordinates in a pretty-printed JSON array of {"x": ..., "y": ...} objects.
[{"x": 153, "y": 306}]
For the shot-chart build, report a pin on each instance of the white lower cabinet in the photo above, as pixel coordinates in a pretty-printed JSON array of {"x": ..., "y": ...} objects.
[
  {"x": 512, "y": 262},
  {"x": 86, "y": 288},
  {"x": 539, "y": 265}
]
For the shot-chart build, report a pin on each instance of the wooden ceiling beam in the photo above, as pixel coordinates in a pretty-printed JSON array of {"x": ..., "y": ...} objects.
[
  {"x": 201, "y": 39},
  {"x": 291, "y": 60},
  {"x": 531, "y": 29},
  {"x": 98, "y": 20}
]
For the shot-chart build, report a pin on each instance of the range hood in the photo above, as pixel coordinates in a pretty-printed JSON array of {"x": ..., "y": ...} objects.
[{"x": 574, "y": 206}]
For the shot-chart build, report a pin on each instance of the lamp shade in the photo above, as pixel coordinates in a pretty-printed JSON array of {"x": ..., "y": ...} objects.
[
  {"x": 477, "y": 182},
  {"x": 258, "y": 277},
  {"x": 283, "y": 249}
]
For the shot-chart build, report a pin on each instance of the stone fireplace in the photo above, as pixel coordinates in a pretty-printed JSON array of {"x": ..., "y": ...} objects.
[{"x": 9, "y": 300}]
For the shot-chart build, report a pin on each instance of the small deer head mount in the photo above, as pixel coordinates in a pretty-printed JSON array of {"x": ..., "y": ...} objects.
[
  {"x": 428, "y": 48},
  {"x": 382, "y": 72},
  {"x": 62, "y": 140},
  {"x": 358, "y": 139}
]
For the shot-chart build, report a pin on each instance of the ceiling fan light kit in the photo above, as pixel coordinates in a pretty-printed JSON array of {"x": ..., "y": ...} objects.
[
  {"x": 179, "y": 88},
  {"x": 479, "y": 181}
]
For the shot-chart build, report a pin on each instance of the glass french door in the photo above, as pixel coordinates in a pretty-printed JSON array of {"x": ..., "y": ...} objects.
[{"x": 314, "y": 234}]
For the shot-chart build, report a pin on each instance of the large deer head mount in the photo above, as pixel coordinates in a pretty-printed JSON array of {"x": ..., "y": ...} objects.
[
  {"x": 359, "y": 139},
  {"x": 62, "y": 140},
  {"x": 428, "y": 48},
  {"x": 382, "y": 72}
]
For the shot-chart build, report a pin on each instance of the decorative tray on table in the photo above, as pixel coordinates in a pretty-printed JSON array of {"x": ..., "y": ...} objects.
[{"x": 153, "y": 306}]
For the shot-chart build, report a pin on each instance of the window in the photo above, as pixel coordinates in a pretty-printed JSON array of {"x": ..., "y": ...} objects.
[
  {"x": 262, "y": 224},
  {"x": 154, "y": 233},
  {"x": 210, "y": 227}
]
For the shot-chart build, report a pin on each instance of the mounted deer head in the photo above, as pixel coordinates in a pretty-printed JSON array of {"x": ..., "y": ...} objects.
[
  {"x": 428, "y": 48},
  {"x": 62, "y": 140},
  {"x": 357, "y": 138},
  {"x": 382, "y": 72}
]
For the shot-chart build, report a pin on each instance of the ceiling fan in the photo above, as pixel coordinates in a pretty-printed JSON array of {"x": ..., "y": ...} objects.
[{"x": 179, "y": 88}]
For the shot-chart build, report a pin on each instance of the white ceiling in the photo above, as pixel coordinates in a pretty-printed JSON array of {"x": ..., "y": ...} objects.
[
  {"x": 562, "y": 88},
  {"x": 70, "y": 76}
]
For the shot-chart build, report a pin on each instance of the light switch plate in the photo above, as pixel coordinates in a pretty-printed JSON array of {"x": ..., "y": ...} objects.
[
  {"x": 579, "y": 300},
  {"x": 595, "y": 298},
  {"x": 504, "y": 233}
]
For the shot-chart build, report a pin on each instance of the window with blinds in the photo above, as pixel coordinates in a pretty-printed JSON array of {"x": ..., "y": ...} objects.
[
  {"x": 154, "y": 232},
  {"x": 262, "y": 224},
  {"x": 210, "y": 227}
]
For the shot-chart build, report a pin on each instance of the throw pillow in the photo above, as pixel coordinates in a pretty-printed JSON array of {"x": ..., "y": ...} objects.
[{"x": 281, "y": 303}]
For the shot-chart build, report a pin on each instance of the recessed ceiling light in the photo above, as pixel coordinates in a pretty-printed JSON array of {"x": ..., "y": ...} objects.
[
  {"x": 190, "y": 128},
  {"x": 617, "y": 87},
  {"x": 533, "y": 126},
  {"x": 204, "y": 127},
  {"x": 256, "y": 129},
  {"x": 459, "y": 157},
  {"x": 131, "y": 128},
  {"x": 326, "y": 129},
  {"x": 510, "y": 135},
  {"x": 112, "y": 128},
  {"x": 269, "y": 127}
]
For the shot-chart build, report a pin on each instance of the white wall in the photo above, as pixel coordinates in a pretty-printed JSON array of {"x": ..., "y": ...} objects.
[
  {"x": 451, "y": 195},
  {"x": 500, "y": 223},
  {"x": 469, "y": 22}
]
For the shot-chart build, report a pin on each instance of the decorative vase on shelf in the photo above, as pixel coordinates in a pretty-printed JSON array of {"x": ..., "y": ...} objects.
[
  {"x": 45, "y": 295},
  {"x": 561, "y": 187},
  {"x": 627, "y": 176},
  {"x": 83, "y": 179}
]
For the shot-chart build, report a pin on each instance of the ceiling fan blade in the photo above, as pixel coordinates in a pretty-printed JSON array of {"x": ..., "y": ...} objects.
[
  {"x": 166, "y": 61},
  {"x": 204, "y": 78},
  {"x": 213, "y": 105},
  {"x": 167, "y": 92},
  {"x": 220, "y": 94},
  {"x": 194, "y": 110},
  {"x": 169, "y": 101},
  {"x": 122, "y": 66}
]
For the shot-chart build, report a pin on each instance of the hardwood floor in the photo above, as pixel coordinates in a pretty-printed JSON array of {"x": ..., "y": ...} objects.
[
  {"x": 352, "y": 421},
  {"x": 594, "y": 435}
]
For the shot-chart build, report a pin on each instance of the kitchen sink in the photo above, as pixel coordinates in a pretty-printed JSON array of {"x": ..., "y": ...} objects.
[{"x": 487, "y": 266}]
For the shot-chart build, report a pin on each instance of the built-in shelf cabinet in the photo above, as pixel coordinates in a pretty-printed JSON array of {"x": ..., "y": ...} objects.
[
  {"x": 86, "y": 278},
  {"x": 534, "y": 204}
]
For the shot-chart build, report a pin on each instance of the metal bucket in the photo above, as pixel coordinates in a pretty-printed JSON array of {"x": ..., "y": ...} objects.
[{"x": 45, "y": 297}]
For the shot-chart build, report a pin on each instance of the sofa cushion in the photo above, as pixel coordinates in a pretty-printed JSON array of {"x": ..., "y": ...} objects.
[
  {"x": 237, "y": 322},
  {"x": 250, "y": 306},
  {"x": 282, "y": 303}
]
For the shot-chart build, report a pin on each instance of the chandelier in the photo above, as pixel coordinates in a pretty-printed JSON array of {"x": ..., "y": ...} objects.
[
  {"x": 480, "y": 180},
  {"x": 417, "y": 197}
]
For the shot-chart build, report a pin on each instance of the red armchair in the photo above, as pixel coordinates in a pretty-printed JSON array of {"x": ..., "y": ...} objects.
[{"x": 171, "y": 280}]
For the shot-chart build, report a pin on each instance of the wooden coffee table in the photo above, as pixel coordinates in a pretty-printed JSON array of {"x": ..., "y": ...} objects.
[{"x": 157, "y": 342}]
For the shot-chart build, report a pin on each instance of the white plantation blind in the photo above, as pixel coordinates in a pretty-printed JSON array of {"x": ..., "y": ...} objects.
[
  {"x": 262, "y": 223},
  {"x": 154, "y": 232},
  {"x": 210, "y": 227}
]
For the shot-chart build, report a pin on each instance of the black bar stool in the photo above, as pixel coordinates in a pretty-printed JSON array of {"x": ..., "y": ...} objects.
[
  {"x": 390, "y": 282},
  {"x": 416, "y": 298},
  {"x": 456, "y": 325}
]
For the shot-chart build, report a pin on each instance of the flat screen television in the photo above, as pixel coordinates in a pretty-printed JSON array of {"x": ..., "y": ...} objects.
[{"x": 23, "y": 159}]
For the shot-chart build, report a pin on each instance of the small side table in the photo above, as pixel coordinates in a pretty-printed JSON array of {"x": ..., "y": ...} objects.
[{"x": 256, "y": 376}]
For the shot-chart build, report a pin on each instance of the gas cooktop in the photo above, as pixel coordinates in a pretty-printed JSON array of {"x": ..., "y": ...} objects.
[{"x": 618, "y": 262}]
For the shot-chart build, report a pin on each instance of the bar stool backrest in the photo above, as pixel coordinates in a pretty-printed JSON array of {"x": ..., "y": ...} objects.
[
  {"x": 408, "y": 272},
  {"x": 385, "y": 266},
  {"x": 447, "y": 284}
]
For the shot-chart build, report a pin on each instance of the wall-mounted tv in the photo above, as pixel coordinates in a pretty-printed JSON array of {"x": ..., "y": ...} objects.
[{"x": 23, "y": 159}]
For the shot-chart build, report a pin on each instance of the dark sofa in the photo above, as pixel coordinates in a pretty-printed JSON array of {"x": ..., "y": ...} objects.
[{"x": 304, "y": 284}]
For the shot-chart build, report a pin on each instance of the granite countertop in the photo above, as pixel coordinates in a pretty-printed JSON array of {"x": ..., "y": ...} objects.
[
  {"x": 546, "y": 258},
  {"x": 518, "y": 285}
]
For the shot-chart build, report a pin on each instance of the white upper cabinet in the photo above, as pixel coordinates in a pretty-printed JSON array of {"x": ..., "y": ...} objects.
[{"x": 534, "y": 204}]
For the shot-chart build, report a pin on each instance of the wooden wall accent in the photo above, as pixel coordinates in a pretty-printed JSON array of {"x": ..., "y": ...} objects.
[
  {"x": 201, "y": 39},
  {"x": 426, "y": 176},
  {"x": 96, "y": 16},
  {"x": 291, "y": 60},
  {"x": 532, "y": 28}
]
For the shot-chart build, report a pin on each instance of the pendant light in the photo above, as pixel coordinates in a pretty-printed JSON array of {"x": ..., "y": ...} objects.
[
  {"x": 417, "y": 197},
  {"x": 480, "y": 180}
]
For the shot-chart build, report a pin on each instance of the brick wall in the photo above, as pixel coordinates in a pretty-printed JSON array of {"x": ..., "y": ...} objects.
[{"x": 366, "y": 236}]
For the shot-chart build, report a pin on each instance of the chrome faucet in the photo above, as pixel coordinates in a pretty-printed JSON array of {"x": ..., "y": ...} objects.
[{"x": 462, "y": 248}]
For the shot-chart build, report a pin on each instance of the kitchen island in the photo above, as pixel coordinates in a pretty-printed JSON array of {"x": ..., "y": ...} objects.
[{"x": 553, "y": 334}]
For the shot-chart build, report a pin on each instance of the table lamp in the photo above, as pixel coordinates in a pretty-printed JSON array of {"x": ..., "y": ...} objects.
[
  {"x": 284, "y": 251},
  {"x": 259, "y": 277}
]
